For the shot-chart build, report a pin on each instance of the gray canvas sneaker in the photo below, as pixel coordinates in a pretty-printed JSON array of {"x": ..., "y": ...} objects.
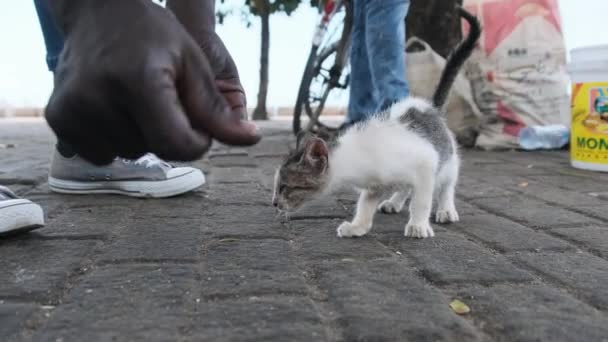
[
  {"x": 147, "y": 176},
  {"x": 18, "y": 214}
]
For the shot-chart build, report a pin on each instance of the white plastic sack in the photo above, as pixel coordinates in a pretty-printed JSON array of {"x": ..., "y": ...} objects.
[
  {"x": 518, "y": 71},
  {"x": 424, "y": 68}
]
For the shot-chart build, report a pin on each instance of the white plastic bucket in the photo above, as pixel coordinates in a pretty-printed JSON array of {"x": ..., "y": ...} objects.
[{"x": 589, "y": 130}]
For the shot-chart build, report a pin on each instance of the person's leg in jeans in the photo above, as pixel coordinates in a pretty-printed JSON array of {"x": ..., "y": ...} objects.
[
  {"x": 363, "y": 96},
  {"x": 53, "y": 40},
  {"x": 385, "y": 39},
  {"x": 145, "y": 177}
]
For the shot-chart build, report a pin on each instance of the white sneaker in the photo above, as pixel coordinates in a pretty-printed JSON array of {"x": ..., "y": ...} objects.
[
  {"x": 147, "y": 176},
  {"x": 17, "y": 214}
]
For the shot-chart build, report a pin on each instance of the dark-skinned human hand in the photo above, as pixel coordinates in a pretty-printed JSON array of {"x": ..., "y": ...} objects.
[
  {"x": 198, "y": 17},
  {"x": 132, "y": 80}
]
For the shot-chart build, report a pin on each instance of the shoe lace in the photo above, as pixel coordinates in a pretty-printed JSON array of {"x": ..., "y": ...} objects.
[{"x": 148, "y": 160}]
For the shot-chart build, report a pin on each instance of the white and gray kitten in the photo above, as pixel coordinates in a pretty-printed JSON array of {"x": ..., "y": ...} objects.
[{"x": 406, "y": 150}]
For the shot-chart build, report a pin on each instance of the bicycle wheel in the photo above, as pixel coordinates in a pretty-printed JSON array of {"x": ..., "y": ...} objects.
[
  {"x": 324, "y": 69},
  {"x": 303, "y": 90},
  {"x": 318, "y": 82},
  {"x": 325, "y": 81}
]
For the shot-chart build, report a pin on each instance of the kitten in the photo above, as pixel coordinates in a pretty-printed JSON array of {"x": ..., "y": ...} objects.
[{"x": 407, "y": 149}]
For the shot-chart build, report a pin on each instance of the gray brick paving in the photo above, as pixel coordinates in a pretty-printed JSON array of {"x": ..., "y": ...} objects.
[
  {"x": 532, "y": 313},
  {"x": 581, "y": 273},
  {"x": 529, "y": 257}
]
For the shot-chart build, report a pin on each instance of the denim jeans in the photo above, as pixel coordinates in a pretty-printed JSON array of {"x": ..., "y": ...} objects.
[
  {"x": 53, "y": 40},
  {"x": 377, "y": 57}
]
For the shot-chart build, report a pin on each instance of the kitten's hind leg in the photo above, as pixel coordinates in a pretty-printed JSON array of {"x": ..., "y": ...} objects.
[
  {"x": 420, "y": 207},
  {"x": 446, "y": 209},
  {"x": 364, "y": 217},
  {"x": 395, "y": 204}
]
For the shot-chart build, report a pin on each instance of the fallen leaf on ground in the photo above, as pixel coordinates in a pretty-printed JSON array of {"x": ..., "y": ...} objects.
[
  {"x": 523, "y": 184},
  {"x": 459, "y": 307}
]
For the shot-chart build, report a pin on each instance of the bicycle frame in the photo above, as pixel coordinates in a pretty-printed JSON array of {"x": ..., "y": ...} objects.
[
  {"x": 330, "y": 8},
  {"x": 341, "y": 47}
]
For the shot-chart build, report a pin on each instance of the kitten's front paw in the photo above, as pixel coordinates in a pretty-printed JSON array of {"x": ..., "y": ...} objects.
[
  {"x": 446, "y": 216},
  {"x": 388, "y": 207},
  {"x": 347, "y": 229},
  {"x": 419, "y": 231}
]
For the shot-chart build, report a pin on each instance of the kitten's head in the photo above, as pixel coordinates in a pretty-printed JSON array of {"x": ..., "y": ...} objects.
[{"x": 303, "y": 174}]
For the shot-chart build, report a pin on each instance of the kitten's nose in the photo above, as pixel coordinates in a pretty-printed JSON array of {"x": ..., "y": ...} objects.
[{"x": 275, "y": 203}]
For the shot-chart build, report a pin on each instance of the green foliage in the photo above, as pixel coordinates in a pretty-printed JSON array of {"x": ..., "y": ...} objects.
[{"x": 250, "y": 8}]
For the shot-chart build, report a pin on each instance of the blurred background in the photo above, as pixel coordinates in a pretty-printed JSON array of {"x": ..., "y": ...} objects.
[{"x": 25, "y": 83}]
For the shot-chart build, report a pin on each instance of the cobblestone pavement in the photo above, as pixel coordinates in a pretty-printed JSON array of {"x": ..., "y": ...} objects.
[{"x": 530, "y": 258}]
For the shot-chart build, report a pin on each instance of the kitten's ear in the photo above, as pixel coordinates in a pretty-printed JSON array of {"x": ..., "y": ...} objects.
[
  {"x": 302, "y": 137},
  {"x": 316, "y": 153}
]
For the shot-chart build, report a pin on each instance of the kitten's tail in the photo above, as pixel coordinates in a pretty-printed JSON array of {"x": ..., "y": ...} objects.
[{"x": 457, "y": 58}]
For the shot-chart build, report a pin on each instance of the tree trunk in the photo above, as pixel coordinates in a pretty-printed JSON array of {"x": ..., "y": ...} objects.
[
  {"x": 260, "y": 112},
  {"x": 436, "y": 22}
]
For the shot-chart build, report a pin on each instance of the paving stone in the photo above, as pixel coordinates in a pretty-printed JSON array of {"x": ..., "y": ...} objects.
[
  {"x": 237, "y": 194},
  {"x": 449, "y": 258},
  {"x": 477, "y": 158},
  {"x": 507, "y": 182},
  {"x": 54, "y": 201},
  {"x": 531, "y": 212},
  {"x": 234, "y": 267},
  {"x": 505, "y": 235},
  {"x": 242, "y": 231},
  {"x": 19, "y": 170},
  {"x": 550, "y": 159},
  {"x": 259, "y": 319},
  {"x": 173, "y": 239},
  {"x": 599, "y": 211},
  {"x": 470, "y": 188},
  {"x": 244, "y": 283},
  {"x": 385, "y": 301},
  {"x": 95, "y": 222},
  {"x": 36, "y": 269},
  {"x": 532, "y": 313},
  {"x": 128, "y": 303},
  {"x": 523, "y": 170},
  {"x": 272, "y": 146},
  {"x": 231, "y": 161},
  {"x": 14, "y": 317},
  {"x": 234, "y": 175},
  {"x": 465, "y": 209},
  {"x": 324, "y": 208},
  {"x": 189, "y": 206},
  {"x": 593, "y": 238},
  {"x": 228, "y": 151},
  {"x": 264, "y": 255},
  {"x": 585, "y": 274},
  {"x": 559, "y": 196},
  {"x": 575, "y": 183},
  {"x": 317, "y": 241},
  {"x": 245, "y": 214}
]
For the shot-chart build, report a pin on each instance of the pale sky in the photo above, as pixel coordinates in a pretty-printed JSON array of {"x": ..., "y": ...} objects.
[{"x": 25, "y": 81}]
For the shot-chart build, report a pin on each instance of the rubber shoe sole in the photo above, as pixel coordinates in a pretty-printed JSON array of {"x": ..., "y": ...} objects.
[
  {"x": 173, "y": 186},
  {"x": 19, "y": 215}
]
